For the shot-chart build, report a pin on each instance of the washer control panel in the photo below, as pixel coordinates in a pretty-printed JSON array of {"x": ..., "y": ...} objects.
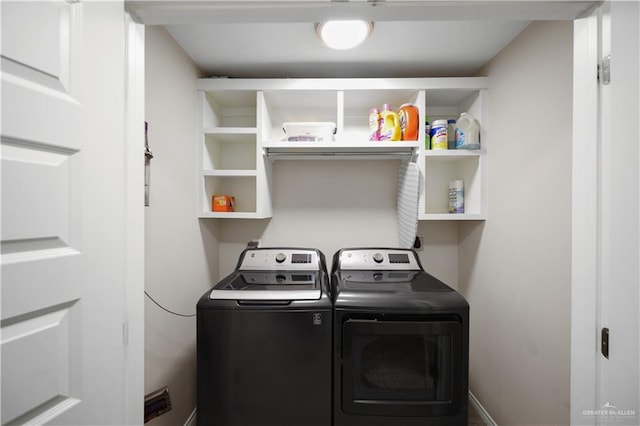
[
  {"x": 272, "y": 259},
  {"x": 383, "y": 259}
]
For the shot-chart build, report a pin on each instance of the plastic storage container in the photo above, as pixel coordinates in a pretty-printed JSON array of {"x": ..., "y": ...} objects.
[{"x": 309, "y": 131}]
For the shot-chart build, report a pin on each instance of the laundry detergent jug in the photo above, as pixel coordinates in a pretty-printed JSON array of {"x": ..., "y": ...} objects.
[
  {"x": 390, "y": 129},
  {"x": 467, "y": 132},
  {"x": 409, "y": 122}
]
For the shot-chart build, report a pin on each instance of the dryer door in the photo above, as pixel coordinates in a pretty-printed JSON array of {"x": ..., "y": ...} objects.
[{"x": 402, "y": 368}]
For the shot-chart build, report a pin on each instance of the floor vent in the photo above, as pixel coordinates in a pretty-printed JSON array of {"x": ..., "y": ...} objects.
[{"x": 156, "y": 403}]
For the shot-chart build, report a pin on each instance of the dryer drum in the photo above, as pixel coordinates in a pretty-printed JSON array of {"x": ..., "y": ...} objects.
[{"x": 397, "y": 363}]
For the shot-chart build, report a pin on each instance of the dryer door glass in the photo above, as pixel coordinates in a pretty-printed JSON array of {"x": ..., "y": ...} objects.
[{"x": 402, "y": 368}]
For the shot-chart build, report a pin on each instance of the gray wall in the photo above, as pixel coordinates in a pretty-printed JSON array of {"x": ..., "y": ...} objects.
[
  {"x": 515, "y": 268},
  {"x": 181, "y": 256}
]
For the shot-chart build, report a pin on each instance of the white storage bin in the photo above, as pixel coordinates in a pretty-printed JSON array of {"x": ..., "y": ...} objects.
[{"x": 309, "y": 131}]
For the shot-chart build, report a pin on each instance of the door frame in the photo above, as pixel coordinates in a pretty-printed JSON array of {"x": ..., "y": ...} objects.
[
  {"x": 133, "y": 327},
  {"x": 584, "y": 220},
  {"x": 602, "y": 258},
  {"x": 585, "y": 286}
]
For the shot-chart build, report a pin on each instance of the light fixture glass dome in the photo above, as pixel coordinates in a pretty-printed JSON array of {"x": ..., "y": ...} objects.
[{"x": 342, "y": 35}]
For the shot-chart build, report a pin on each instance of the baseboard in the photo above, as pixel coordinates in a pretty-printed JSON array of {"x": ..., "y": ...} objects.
[
  {"x": 481, "y": 411},
  {"x": 191, "y": 421}
]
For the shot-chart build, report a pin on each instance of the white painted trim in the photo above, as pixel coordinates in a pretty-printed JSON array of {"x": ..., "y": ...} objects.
[
  {"x": 486, "y": 417},
  {"x": 191, "y": 421},
  {"x": 134, "y": 222},
  {"x": 178, "y": 12},
  {"x": 585, "y": 221}
]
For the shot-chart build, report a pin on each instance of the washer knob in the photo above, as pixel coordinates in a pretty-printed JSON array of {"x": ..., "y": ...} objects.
[
  {"x": 280, "y": 257},
  {"x": 378, "y": 258}
]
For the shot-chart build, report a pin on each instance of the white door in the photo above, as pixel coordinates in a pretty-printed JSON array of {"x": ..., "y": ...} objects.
[
  {"x": 606, "y": 217},
  {"x": 619, "y": 373},
  {"x": 63, "y": 240}
]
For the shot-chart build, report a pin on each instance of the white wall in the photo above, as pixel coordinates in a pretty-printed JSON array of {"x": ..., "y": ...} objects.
[
  {"x": 331, "y": 204},
  {"x": 181, "y": 253},
  {"x": 515, "y": 268}
]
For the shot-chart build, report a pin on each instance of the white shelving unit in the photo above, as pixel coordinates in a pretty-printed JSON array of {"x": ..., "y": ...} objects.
[
  {"x": 241, "y": 135},
  {"x": 230, "y": 160},
  {"x": 441, "y": 166}
]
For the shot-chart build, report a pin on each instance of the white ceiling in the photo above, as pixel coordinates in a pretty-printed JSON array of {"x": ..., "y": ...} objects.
[
  {"x": 395, "y": 49},
  {"x": 268, "y": 39}
]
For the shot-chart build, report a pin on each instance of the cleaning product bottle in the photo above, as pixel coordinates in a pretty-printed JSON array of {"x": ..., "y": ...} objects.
[
  {"x": 456, "y": 196},
  {"x": 409, "y": 122},
  {"x": 467, "y": 132},
  {"x": 427, "y": 133},
  {"x": 390, "y": 129},
  {"x": 374, "y": 124},
  {"x": 451, "y": 134},
  {"x": 439, "y": 134}
]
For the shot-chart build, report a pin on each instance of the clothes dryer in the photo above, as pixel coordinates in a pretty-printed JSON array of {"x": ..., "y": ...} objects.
[{"x": 401, "y": 342}]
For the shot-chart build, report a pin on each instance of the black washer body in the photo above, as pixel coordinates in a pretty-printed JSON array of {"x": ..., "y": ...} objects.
[{"x": 265, "y": 361}]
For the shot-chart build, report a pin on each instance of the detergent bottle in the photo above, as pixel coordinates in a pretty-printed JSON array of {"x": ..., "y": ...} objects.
[
  {"x": 374, "y": 124},
  {"x": 409, "y": 122},
  {"x": 467, "y": 132},
  {"x": 427, "y": 133},
  {"x": 390, "y": 129}
]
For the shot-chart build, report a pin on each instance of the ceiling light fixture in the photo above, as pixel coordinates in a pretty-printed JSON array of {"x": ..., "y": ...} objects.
[{"x": 342, "y": 35}]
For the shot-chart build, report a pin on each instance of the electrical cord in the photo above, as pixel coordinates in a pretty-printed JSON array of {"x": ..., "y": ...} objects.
[{"x": 165, "y": 309}]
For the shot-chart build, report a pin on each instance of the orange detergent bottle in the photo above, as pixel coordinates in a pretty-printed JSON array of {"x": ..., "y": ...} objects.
[
  {"x": 409, "y": 122},
  {"x": 390, "y": 129}
]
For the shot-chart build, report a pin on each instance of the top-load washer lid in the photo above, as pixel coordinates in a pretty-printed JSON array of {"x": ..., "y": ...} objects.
[
  {"x": 389, "y": 280},
  {"x": 273, "y": 274}
]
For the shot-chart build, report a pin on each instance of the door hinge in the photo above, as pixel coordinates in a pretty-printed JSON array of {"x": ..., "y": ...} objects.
[
  {"x": 604, "y": 342},
  {"x": 604, "y": 70}
]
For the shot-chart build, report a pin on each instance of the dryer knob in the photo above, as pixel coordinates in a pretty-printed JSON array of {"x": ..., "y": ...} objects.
[
  {"x": 378, "y": 258},
  {"x": 280, "y": 257}
]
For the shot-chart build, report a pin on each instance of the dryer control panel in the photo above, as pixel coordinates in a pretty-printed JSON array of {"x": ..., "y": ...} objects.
[
  {"x": 280, "y": 259},
  {"x": 378, "y": 259}
]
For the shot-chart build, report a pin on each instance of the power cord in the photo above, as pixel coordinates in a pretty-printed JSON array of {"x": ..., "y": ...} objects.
[{"x": 165, "y": 309}]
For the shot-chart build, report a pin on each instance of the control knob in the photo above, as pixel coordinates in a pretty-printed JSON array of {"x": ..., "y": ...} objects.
[
  {"x": 280, "y": 257},
  {"x": 378, "y": 258}
]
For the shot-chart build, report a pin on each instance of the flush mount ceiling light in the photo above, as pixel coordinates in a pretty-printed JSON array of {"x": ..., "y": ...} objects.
[{"x": 342, "y": 35}]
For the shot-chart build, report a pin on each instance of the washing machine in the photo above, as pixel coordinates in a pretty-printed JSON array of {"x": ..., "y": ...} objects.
[
  {"x": 264, "y": 342},
  {"x": 401, "y": 342}
]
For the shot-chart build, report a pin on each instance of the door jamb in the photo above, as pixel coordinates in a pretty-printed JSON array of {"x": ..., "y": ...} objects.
[
  {"x": 585, "y": 221},
  {"x": 133, "y": 325}
]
